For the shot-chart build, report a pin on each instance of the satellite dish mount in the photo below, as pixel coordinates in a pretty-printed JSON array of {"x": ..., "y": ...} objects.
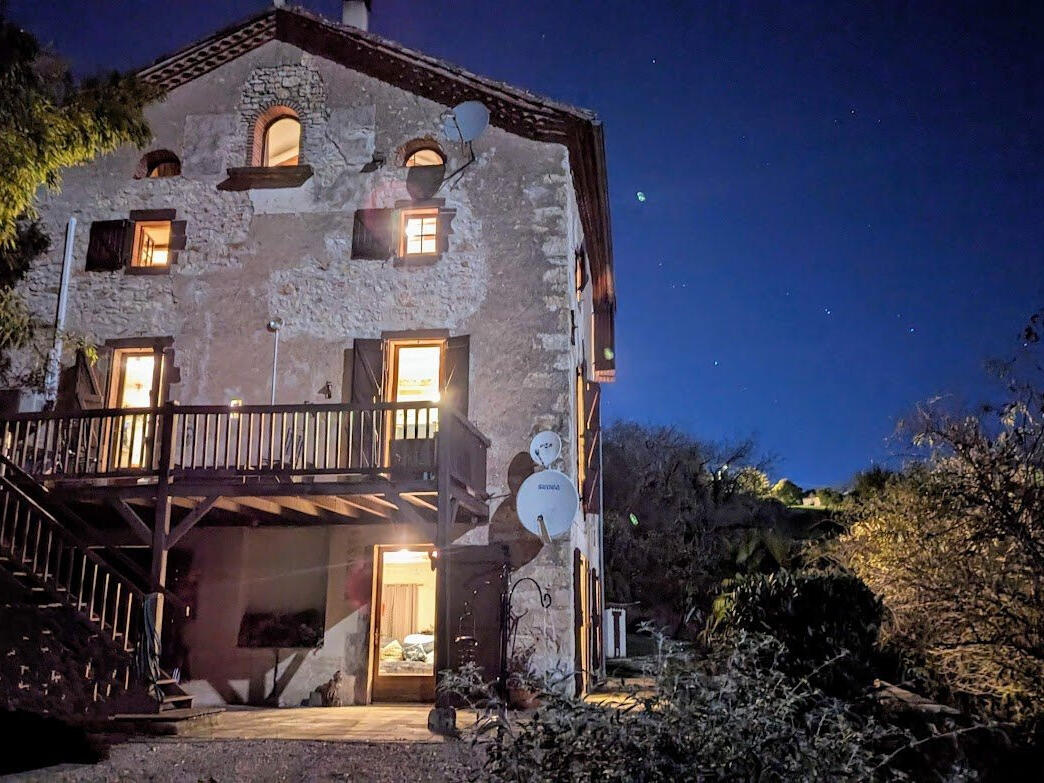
[{"x": 464, "y": 123}]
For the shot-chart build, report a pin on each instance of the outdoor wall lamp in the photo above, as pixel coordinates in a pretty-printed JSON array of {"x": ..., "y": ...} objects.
[{"x": 274, "y": 326}]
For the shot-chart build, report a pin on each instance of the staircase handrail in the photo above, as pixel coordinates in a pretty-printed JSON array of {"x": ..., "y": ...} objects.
[
  {"x": 29, "y": 485},
  {"x": 78, "y": 541}
]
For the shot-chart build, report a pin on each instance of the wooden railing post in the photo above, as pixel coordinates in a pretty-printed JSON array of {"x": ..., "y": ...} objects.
[
  {"x": 161, "y": 520},
  {"x": 443, "y": 531}
]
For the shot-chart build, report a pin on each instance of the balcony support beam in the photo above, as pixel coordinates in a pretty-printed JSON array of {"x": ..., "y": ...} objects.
[
  {"x": 130, "y": 516},
  {"x": 190, "y": 520}
]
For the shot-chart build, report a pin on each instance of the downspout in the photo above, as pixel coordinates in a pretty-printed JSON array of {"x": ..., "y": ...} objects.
[
  {"x": 601, "y": 549},
  {"x": 54, "y": 358}
]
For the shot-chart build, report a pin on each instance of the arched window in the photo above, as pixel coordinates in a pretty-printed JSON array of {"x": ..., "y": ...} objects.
[
  {"x": 158, "y": 163},
  {"x": 281, "y": 142},
  {"x": 425, "y": 156}
]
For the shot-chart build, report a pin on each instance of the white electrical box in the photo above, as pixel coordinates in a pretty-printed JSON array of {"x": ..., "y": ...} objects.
[{"x": 615, "y": 624}]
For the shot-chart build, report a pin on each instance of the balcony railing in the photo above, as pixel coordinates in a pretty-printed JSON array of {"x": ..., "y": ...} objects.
[{"x": 207, "y": 441}]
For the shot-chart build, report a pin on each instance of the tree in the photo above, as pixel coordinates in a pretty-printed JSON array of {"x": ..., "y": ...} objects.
[
  {"x": 51, "y": 122},
  {"x": 955, "y": 547},
  {"x": 753, "y": 482},
  {"x": 871, "y": 481},
  {"x": 787, "y": 492},
  {"x": 678, "y": 518}
]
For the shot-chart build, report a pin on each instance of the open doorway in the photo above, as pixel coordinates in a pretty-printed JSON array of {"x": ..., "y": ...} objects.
[
  {"x": 134, "y": 385},
  {"x": 404, "y": 624}
]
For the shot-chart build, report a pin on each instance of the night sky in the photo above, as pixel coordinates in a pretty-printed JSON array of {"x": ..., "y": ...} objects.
[{"x": 843, "y": 201}]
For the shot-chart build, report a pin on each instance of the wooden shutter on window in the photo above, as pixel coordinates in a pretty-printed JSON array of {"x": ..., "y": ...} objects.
[
  {"x": 110, "y": 244},
  {"x": 177, "y": 234},
  {"x": 446, "y": 216},
  {"x": 456, "y": 371},
  {"x": 368, "y": 372},
  {"x": 374, "y": 233},
  {"x": 592, "y": 447}
]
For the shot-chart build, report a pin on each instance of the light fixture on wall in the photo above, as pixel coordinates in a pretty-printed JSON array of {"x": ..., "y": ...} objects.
[{"x": 274, "y": 326}]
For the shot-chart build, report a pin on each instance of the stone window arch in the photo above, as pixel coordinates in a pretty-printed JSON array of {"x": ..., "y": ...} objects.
[
  {"x": 158, "y": 163},
  {"x": 277, "y": 137},
  {"x": 421, "y": 152}
]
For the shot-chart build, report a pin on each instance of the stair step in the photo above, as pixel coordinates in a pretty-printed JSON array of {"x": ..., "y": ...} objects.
[{"x": 175, "y": 698}]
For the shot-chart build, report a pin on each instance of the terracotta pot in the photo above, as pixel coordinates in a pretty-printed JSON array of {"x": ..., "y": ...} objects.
[{"x": 522, "y": 698}]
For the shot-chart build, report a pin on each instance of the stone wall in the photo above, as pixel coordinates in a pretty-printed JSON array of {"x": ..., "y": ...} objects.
[{"x": 506, "y": 279}]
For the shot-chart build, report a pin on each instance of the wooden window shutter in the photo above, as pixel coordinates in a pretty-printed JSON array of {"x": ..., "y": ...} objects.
[
  {"x": 592, "y": 447},
  {"x": 374, "y": 234},
  {"x": 446, "y": 216},
  {"x": 604, "y": 341},
  {"x": 110, "y": 244},
  {"x": 368, "y": 372},
  {"x": 456, "y": 371},
  {"x": 177, "y": 234}
]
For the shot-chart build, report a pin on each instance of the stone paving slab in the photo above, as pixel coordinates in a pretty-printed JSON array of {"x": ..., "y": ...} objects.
[{"x": 370, "y": 723}]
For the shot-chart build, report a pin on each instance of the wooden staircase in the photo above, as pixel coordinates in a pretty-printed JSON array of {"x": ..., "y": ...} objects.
[{"x": 55, "y": 566}]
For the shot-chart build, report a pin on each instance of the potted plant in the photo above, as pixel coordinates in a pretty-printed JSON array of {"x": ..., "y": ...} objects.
[{"x": 523, "y": 687}]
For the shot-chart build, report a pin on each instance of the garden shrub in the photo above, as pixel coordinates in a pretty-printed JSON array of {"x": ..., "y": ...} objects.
[
  {"x": 828, "y": 622},
  {"x": 734, "y": 715}
]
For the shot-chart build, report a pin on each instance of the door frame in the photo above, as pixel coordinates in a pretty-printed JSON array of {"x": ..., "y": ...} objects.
[{"x": 395, "y": 687}]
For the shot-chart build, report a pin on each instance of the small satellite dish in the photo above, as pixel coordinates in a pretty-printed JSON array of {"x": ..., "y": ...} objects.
[
  {"x": 545, "y": 448},
  {"x": 466, "y": 121},
  {"x": 547, "y": 503}
]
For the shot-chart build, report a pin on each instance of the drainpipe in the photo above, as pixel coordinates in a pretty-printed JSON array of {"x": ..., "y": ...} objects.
[
  {"x": 54, "y": 358},
  {"x": 601, "y": 550}
]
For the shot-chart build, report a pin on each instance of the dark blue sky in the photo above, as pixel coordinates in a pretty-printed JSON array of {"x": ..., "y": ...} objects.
[{"x": 843, "y": 201}]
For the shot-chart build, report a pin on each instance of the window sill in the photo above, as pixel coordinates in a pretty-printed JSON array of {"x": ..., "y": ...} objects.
[
  {"x": 416, "y": 261},
  {"x": 147, "y": 270},
  {"x": 265, "y": 177}
]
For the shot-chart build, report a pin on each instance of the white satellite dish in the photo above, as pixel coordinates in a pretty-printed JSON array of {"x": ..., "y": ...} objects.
[
  {"x": 466, "y": 121},
  {"x": 547, "y": 503},
  {"x": 545, "y": 448}
]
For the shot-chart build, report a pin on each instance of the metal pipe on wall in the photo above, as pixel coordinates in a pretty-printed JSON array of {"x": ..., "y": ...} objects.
[
  {"x": 274, "y": 326},
  {"x": 54, "y": 358}
]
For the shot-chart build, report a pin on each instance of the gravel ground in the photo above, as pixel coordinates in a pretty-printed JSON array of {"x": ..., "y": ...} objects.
[{"x": 218, "y": 761}]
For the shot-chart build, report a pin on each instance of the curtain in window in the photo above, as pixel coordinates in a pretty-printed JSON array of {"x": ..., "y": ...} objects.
[{"x": 398, "y": 612}]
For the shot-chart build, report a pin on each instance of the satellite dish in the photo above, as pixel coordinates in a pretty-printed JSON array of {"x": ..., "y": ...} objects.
[
  {"x": 545, "y": 448},
  {"x": 547, "y": 503},
  {"x": 466, "y": 121}
]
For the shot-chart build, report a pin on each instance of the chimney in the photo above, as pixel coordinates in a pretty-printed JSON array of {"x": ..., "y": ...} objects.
[{"x": 356, "y": 13}]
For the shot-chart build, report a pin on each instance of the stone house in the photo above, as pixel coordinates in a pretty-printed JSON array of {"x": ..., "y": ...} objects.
[{"x": 328, "y": 330}]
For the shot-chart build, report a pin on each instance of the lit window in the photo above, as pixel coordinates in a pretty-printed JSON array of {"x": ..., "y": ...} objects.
[
  {"x": 417, "y": 379},
  {"x": 151, "y": 243},
  {"x": 425, "y": 157},
  {"x": 420, "y": 230},
  {"x": 282, "y": 142}
]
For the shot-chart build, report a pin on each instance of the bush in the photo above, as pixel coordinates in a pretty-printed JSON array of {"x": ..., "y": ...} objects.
[
  {"x": 828, "y": 621},
  {"x": 734, "y": 715}
]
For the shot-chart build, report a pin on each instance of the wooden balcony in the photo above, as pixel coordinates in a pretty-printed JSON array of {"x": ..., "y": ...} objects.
[{"x": 429, "y": 453}]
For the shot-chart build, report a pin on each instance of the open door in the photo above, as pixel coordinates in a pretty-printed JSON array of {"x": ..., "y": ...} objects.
[
  {"x": 135, "y": 384},
  {"x": 404, "y": 624}
]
